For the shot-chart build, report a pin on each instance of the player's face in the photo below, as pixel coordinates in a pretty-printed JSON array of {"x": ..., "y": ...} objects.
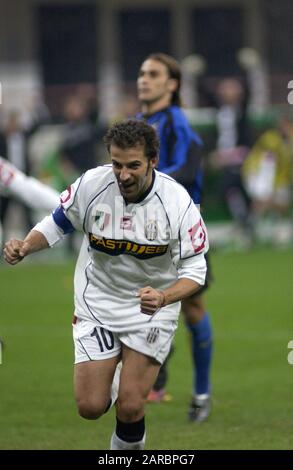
[
  {"x": 154, "y": 83},
  {"x": 133, "y": 171}
]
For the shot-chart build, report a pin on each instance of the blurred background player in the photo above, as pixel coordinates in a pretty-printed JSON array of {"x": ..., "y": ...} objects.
[
  {"x": 158, "y": 85},
  {"x": 235, "y": 97},
  {"x": 78, "y": 150},
  {"x": 231, "y": 150},
  {"x": 31, "y": 192},
  {"x": 230, "y": 98},
  {"x": 14, "y": 138},
  {"x": 267, "y": 173}
]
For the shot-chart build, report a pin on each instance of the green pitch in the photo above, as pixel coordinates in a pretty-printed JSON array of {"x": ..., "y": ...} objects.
[{"x": 251, "y": 304}]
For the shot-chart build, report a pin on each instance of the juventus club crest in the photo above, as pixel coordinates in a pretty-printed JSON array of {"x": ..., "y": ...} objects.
[
  {"x": 151, "y": 230},
  {"x": 152, "y": 335}
]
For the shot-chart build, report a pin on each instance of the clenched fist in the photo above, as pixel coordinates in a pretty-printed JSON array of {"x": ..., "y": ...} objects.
[
  {"x": 151, "y": 300},
  {"x": 15, "y": 250}
]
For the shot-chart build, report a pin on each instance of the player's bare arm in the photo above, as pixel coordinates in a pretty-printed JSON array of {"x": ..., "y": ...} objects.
[
  {"x": 15, "y": 250},
  {"x": 152, "y": 299}
]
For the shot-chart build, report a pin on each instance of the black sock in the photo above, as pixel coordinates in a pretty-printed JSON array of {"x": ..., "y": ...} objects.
[{"x": 130, "y": 432}]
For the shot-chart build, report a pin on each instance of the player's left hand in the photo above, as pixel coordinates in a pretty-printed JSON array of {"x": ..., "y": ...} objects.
[{"x": 150, "y": 300}]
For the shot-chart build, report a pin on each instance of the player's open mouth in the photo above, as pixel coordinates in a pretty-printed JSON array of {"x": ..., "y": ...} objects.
[{"x": 127, "y": 188}]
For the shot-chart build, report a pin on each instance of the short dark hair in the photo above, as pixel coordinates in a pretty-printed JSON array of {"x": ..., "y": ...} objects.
[
  {"x": 131, "y": 133},
  {"x": 174, "y": 71}
]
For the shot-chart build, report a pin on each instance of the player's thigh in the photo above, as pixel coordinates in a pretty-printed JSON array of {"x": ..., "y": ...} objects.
[
  {"x": 138, "y": 374},
  {"x": 97, "y": 352},
  {"x": 143, "y": 352},
  {"x": 93, "y": 380}
]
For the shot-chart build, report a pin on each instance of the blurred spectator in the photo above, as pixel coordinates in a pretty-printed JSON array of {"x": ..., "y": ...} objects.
[
  {"x": 78, "y": 152},
  {"x": 232, "y": 147},
  {"x": 128, "y": 107},
  {"x": 87, "y": 93},
  {"x": 233, "y": 98},
  {"x": 13, "y": 147},
  {"x": 257, "y": 79},
  {"x": 268, "y": 170},
  {"x": 79, "y": 149}
]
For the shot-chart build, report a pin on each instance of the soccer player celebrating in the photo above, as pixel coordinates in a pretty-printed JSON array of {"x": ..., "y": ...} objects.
[
  {"x": 143, "y": 252},
  {"x": 158, "y": 83}
]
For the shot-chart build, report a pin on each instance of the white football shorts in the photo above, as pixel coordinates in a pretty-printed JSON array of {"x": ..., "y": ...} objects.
[{"x": 94, "y": 343}]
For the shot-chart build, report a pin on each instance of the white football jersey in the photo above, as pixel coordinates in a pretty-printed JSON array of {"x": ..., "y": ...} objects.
[{"x": 127, "y": 246}]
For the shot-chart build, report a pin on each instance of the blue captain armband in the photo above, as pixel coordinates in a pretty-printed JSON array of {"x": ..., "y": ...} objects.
[{"x": 61, "y": 220}]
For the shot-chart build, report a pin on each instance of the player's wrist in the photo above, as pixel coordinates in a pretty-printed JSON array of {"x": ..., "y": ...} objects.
[{"x": 162, "y": 298}]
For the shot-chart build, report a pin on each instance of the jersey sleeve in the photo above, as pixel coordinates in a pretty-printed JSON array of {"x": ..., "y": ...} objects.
[
  {"x": 50, "y": 230},
  {"x": 68, "y": 216},
  {"x": 189, "y": 249},
  {"x": 65, "y": 218}
]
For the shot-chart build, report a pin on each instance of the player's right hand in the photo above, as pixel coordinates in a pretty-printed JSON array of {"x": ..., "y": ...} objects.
[
  {"x": 15, "y": 250},
  {"x": 151, "y": 300}
]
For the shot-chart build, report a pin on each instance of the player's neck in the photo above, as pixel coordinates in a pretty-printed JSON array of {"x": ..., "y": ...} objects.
[{"x": 155, "y": 106}]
